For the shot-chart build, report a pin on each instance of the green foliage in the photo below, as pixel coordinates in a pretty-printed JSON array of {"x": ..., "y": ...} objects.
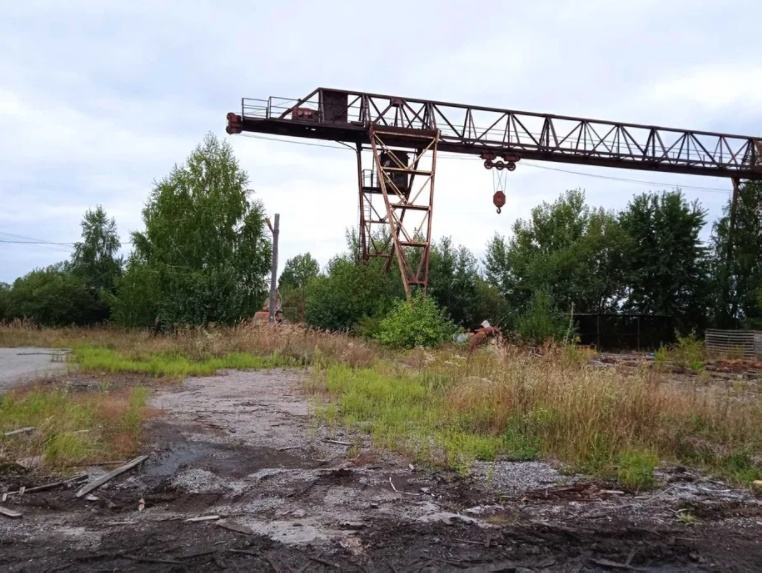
[
  {"x": 419, "y": 324},
  {"x": 204, "y": 255},
  {"x": 170, "y": 364},
  {"x": 576, "y": 251},
  {"x": 453, "y": 281},
  {"x": 297, "y": 273},
  {"x": 541, "y": 320},
  {"x": 489, "y": 304},
  {"x": 349, "y": 292},
  {"x": 5, "y": 290},
  {"x": 53, "y": 296},
  {"x": 737, "y": 268},
  {"x": 687, "y": 354},
  {"x": 95, "y": 258},
  {"x": 635, "y": 468},
  {"x": 667, "y": 266}
]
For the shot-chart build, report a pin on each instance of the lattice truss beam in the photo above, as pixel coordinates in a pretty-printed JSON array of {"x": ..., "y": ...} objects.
[{"x": 346, "y": 115}]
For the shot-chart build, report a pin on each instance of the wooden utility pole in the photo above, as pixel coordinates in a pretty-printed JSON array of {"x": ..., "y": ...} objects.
[{"x": 274, "y": 278}]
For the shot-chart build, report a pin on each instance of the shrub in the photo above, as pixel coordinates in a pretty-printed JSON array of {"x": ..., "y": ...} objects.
[
  {"x": 689, "y": 353},
  {"x": 419, "y": 324},
  {"x": 541, "y": 320}
]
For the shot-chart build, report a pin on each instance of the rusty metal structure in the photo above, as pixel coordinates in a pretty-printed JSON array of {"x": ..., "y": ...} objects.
[{"x": 404, "y": 135}]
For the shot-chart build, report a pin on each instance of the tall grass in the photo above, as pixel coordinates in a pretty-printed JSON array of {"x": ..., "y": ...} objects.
[
  {"x": 194, "y": 351},
  {"x": 447, "y": 408},
  {"x": 71, "y": 429},
  {"x": 521, "y": 406}
]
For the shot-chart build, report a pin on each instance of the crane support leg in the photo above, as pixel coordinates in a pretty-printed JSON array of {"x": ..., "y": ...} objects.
[
  {"x": 407, "y": 187},
  {"x": 374, "y": 237}
]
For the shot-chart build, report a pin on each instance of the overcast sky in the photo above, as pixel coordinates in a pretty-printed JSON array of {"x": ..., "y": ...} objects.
[{"x": 99, "y": 99}]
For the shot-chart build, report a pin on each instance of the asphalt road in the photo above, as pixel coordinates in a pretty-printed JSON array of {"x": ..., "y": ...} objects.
[{"x": 18, "y": 365}]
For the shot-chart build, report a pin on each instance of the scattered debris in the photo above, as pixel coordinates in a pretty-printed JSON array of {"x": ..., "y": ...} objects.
[
  {"x": 9, "y": 512},
  {"x": 151, "y": 559},
  {"x": 392, "y": 484},
  {"x": 90, "y": 497},
  {"x": 324, "y": 562},
  {"x": 447, "y": 517},
  {"x": 482, "y": 509},
  {"x": 353, "y": 545},
  {"x": 141, "y": 504},
  {"x": 30, "y": 463},
  {"x": 237, "y": 527},
  {"x": 337, "y": 442},
  {"x": 20, "y": 431},
  {"x": 109, "y": 476},
  {"x": 23, "y": 489},
  {"x": 612, "y": 564},
  {"x": 202, "y": 518}
]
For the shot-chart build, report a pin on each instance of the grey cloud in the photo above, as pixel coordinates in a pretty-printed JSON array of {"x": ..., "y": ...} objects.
[{"x": 97, "y": 100}]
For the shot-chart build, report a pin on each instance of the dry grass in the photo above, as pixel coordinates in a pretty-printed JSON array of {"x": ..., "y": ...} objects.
[
  {"x": 71, "y": 429},
  {"x": 194, "y": 351},
  {"x": 607, "y": 421},
  {"x": 449, "y": 409}
]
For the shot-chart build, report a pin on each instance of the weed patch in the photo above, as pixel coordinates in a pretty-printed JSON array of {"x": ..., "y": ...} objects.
[
  {"x": 522, "y": 407},
  {"x": 170, "y": 364},
  {"x": 71, "y": 429}
]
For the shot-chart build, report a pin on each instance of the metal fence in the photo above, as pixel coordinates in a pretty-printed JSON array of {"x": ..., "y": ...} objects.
[
  {"x": 742, "y": 343},
  {"x": 612, "y": 332}
]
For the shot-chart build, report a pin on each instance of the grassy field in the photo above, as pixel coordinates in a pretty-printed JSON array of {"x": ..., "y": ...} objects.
[{"x": 439, "y": 406}]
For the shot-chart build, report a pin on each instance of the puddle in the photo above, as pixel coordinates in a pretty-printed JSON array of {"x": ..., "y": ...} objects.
[{"x": 223, "y": 460}]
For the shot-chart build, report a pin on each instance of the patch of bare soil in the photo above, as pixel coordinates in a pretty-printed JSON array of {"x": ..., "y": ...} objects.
[{"x": 240, "y": 450}]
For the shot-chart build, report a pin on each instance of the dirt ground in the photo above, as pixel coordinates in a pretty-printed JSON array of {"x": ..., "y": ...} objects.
[{"x": 284, "y": 495}]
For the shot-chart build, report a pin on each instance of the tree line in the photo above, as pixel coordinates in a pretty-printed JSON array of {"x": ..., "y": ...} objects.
[{"x": 204, "y": 256}]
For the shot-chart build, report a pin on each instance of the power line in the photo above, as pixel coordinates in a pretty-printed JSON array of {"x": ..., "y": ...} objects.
[
  {"x": 451, "y": 155},
  {"x": 36, "y": 243}
]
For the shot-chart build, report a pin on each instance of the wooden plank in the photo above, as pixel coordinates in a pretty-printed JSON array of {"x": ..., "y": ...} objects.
[
  {"x": 109, "y": 476},
  {"x": 19, "y": 431}
]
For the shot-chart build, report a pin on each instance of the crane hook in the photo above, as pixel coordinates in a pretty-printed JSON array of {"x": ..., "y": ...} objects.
[{"x": 499, "y": 200}]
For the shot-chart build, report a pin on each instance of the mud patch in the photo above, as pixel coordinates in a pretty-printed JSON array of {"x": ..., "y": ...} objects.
[{"x": 225, "y": 461}]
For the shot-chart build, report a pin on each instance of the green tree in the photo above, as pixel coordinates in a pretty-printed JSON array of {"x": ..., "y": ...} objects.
[
  {"x": 737, "y": 260},
  {"x": 204, "y": 255},
  {"x": 95, "y": 259},
  {"x": 575, "y": 251},
  {"x": 5, "y": 290},
  {"x": 453, "y": 278},
  {"x": 297, "y": 273},
  {"x": 53, "y": 296},
  {"x": 350, "y": 292},
  {"x": 667, "y": 265}
]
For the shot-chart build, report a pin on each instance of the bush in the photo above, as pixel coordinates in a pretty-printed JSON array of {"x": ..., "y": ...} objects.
[
  {"x": 348, "y": 293},
  {"x": 53, "y": 297},
  {"x": 419, "y": 324},
  {"x": 689, "y": 353},
  {"x": 541, "y": 320}
]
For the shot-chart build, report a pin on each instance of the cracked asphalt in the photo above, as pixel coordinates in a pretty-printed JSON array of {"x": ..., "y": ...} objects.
[{"x": 19, "y": 365}]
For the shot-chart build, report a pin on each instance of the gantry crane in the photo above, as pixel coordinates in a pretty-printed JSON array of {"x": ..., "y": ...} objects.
[{"x": 404, "y": 136}]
